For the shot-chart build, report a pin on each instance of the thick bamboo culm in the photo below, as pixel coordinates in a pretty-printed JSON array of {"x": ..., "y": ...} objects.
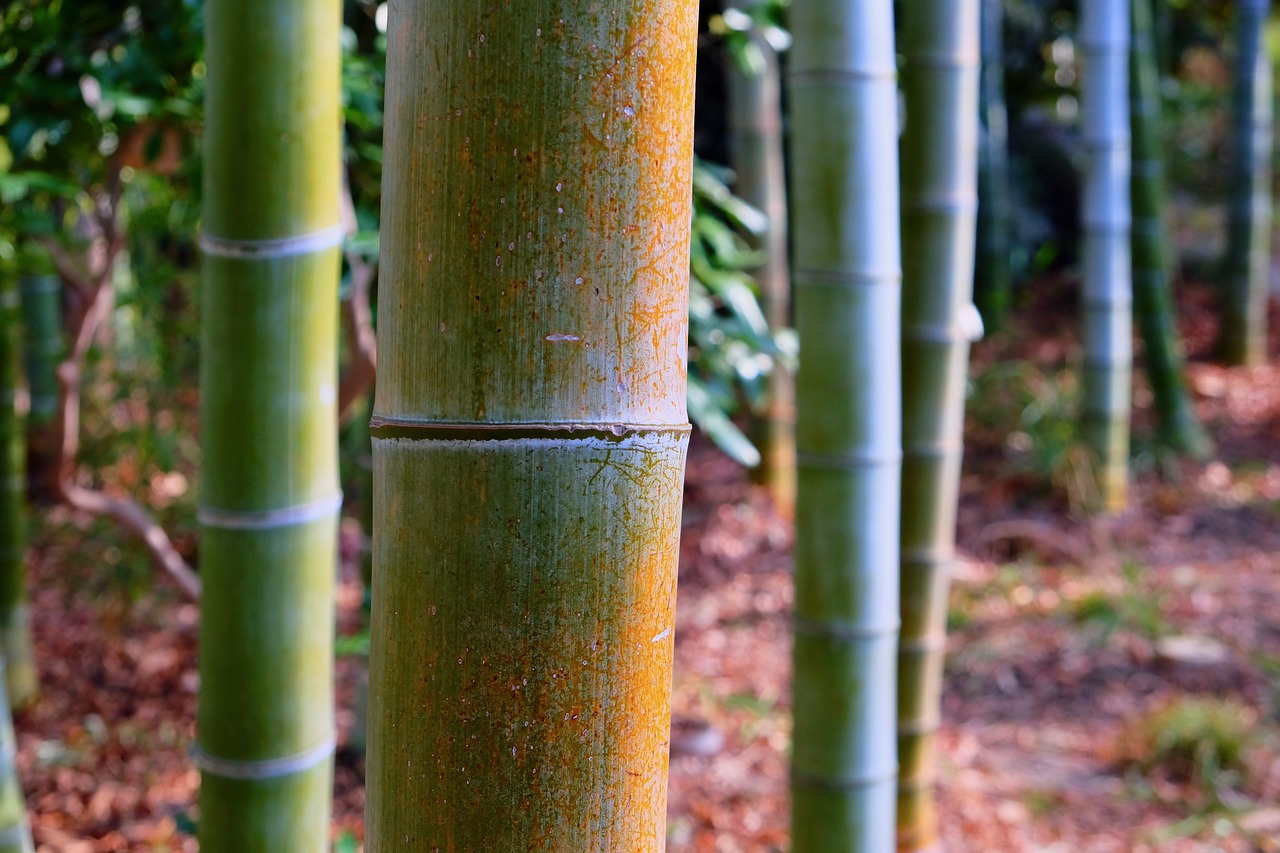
[
  {"x": 847, "y": 277},
  {"x": 993, "y": 283},
  {"x": 530, "y": 426},
  {"x": 15, "y": 627},
  {"x": 1152, "y": 285},
  {"x": 15, "y": 832},
  {"x": 755, "y": 118},
  {"x": 1107, "y": 301},
  {"x": 940, "y": 76},
  {"x": 269, "y": 495},
  {"x": 1247, "y": 269}
]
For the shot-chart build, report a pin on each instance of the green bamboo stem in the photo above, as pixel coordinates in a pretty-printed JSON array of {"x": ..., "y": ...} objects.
[
  {"x": 15, "y": 833},
  {"x": 42, "y": 353},
  {"x": 755, "y": 122},
  {"x": 1108, "y": 293},
  {"x": 847, "y": 274},
  {"x": 269, "y": 492},
  {"x": 530, "y": 425},
  {"x": 1247, "y": 267},
  {"x": 15, "y": 627},
  {"x": 993, "y": 285},
  {"x": 1152, "y": 287},
  {"x": 940, "y": 78}
]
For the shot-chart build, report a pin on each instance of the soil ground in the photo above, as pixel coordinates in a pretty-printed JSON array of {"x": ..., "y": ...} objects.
[{"x": 1064, "y": 645}]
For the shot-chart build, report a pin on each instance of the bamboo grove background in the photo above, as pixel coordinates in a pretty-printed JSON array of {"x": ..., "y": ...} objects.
[{"x": 263, "y": 156}]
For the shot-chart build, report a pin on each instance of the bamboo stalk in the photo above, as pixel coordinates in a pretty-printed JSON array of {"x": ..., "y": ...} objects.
[
  {"x": 15, "y": 628},
  {"x": 940, "y": 79},
  {"x": 1247, "y": 268},
  {"x": 993, "y": 286},
  {"x": 1108, "y": 293},
  {"x": 755, "y": 121},
  {"x": 269, "y": 494},
  {"x": 846, "y": 273},
  {"x": 530, "y": 424},
  {"x": 1153, "y": 299},
  {"x": 15, "y": 833},
  {"x": 42, "y": 352}
]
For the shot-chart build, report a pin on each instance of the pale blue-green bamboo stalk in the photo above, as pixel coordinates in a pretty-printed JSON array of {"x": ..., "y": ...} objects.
[
  {"x": 941, "y": 64},
  {"x": 1107, "y": 285},
  {"x": 847, "y": 278},
  {"x": 1248, "y": 263}
]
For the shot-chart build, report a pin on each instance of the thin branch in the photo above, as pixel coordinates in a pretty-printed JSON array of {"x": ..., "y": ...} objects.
[{"x": 85, "y": 322}]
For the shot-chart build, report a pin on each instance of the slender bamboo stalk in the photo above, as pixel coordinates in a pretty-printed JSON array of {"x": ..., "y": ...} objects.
[
  {"x": 1108, "y": 293},
  {"x": 530, "y": 424},
  {"x": 1153, "y": 299},
  {"x": 993, "y": 286},
  {"x": 1247, "y": 269},
  {"x": 43, "y": 350},
  {"x": 940, "y": 77},
  {"x": 847, "y": 272},
  {"x": 755, "y": 120},
  {"x": 15, "y": 833},
  {"x": 269, "y": 492},
  {"x": 15, "y": 627}
]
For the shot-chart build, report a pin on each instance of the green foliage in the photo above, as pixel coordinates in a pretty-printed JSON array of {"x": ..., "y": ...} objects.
[
  {"x": 736, "y": 25},
  {"x": 731, "y": 348},
  {"x": 1199, "y": 740}
]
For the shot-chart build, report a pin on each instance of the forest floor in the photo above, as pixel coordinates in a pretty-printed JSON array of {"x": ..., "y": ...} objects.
[{"x": 1072, "y": 639}]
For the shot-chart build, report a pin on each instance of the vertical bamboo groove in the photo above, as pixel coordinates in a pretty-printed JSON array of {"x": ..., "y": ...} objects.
[
  {"x": 1247, "y": 270},
  {"x": 992, "y": 277},
  {"x": 755, "y": 103},
  {"x": 847, "y": 275},
  {"x": 1108, "y": 293},
  {"x": 42, "y": 353},
  {"x": 269, "y": 492},
  {"x": 941, "y": 67},
  {"x": 1152, "y": 288},
  {"x": 15, "y": 833},
  {"x": 15, "y": 628},
  {"x": 530, "y": 427}
]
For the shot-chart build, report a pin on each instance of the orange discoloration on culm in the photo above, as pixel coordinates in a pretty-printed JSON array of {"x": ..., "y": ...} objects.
[{"x": 546, "y": 182}]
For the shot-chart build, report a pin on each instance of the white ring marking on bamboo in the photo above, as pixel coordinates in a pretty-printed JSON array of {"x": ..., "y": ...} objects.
[
  {"x": 286, "y": 516},
  {"x": 844, "y": 783},
  {"x": 279, "y": 247},
  {"x": 266, "y": 768}
]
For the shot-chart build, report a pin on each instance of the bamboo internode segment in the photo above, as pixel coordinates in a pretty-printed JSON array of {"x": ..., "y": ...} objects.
[
  {"x": 847, "y": 272},
  {"x": 1107, "y": 292},
  {"x": 529, "y": 430},
  {"x": 1248, "y": 262},
  {"x": 940, "y": 81},
  {"x": 1152, "y": 285},
  {"x": 269, "y": 424}
]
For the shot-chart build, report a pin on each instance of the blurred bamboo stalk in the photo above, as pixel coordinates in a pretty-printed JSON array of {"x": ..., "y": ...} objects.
[
  {"x": 1107, "y": 286},
  {"x": 755, "y": 121},
  {"x": 1152, "y": 285},
  {"x": 1247, "y": 266},
  {"x": 940, "y": 81},
  {"x": 269, "y": 497},
  {"x": 992, "y": 279},
  {"x": 847, "y": 277}
]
